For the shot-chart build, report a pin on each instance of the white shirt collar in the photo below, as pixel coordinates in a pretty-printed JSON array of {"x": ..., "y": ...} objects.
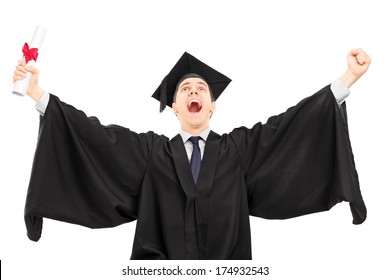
[{"x": 185, "y": 135}]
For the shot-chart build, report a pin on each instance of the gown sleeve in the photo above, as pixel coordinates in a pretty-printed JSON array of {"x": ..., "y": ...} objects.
[
  {"x": 84, "y": 172},
  {"x": 301, "y": 161}
]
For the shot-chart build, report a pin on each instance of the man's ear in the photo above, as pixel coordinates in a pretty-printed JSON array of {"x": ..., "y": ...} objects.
[
  {"x": 213, "y": 107},
  {"x": 174, "y": 108}
]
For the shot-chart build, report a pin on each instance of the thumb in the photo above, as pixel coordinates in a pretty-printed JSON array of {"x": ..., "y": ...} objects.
[
  {"x": 32, "y": 69},
  {"x": 354, "y": 52}
]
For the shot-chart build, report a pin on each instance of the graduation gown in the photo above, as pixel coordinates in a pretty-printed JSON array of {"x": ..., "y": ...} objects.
[{"x": 297, "y": 163}]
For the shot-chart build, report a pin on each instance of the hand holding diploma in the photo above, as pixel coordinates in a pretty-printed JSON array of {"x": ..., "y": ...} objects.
[
  {"x": 21, "y": 73},
  {"x": 26, "y": 76}
]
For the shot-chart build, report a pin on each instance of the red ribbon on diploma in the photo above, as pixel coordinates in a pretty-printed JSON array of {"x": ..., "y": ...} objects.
[{"x": 30, "y": 54}]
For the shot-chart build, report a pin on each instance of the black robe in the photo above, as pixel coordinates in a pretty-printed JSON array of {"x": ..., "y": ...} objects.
[{"x": 299, "y": 162}]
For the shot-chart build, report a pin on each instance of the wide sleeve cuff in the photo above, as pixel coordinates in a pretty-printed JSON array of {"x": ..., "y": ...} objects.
[
  {"x": 42, "y": 103},
  {"x": 340, "y": 91}
]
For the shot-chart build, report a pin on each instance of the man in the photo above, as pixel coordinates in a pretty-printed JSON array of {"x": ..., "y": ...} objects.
[{"x": 192, "y": 195}]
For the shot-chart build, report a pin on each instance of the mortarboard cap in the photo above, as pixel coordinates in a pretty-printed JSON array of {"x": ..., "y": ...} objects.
[{"x": 188, "y": 64}]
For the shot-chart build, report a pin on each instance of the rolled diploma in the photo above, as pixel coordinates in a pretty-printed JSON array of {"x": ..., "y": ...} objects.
[{"x": 21, "y": 86}]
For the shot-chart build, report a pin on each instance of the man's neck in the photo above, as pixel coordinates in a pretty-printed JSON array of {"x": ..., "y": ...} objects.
[{"x": 195, "y": 131}]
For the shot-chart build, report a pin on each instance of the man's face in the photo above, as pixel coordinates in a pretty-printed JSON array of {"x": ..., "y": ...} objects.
[{"x": 193, "y": 105}]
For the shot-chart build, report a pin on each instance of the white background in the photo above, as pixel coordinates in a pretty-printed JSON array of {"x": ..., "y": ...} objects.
[{"x": 108, "y": 57}]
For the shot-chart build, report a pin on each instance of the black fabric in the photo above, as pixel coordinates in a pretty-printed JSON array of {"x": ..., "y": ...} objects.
[{"x": 299, "y": 162}]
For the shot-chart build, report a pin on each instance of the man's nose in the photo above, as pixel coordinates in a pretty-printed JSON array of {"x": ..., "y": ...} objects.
[{"x": 193, "y": 91}]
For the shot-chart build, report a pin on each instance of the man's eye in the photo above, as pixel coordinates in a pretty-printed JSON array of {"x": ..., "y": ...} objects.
[
  {"x": 201, "y": 89},
  {"x": 185, "y": 89}
]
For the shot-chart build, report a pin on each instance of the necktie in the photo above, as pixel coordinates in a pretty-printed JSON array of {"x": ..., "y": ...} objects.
[{"x": 195, "y": 158}]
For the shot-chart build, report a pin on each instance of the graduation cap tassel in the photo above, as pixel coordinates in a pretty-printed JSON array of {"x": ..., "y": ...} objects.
[{"x": 163, "y": 94}]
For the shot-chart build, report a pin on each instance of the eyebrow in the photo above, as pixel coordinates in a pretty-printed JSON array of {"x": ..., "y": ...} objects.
[{"x": 202, "y": 83}]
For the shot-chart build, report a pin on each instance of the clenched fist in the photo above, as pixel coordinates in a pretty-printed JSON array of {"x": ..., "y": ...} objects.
[{"x": 358, "y": 63}]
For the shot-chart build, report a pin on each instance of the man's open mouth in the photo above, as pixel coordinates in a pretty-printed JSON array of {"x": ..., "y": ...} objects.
[{"x": 194, "y": 106}]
